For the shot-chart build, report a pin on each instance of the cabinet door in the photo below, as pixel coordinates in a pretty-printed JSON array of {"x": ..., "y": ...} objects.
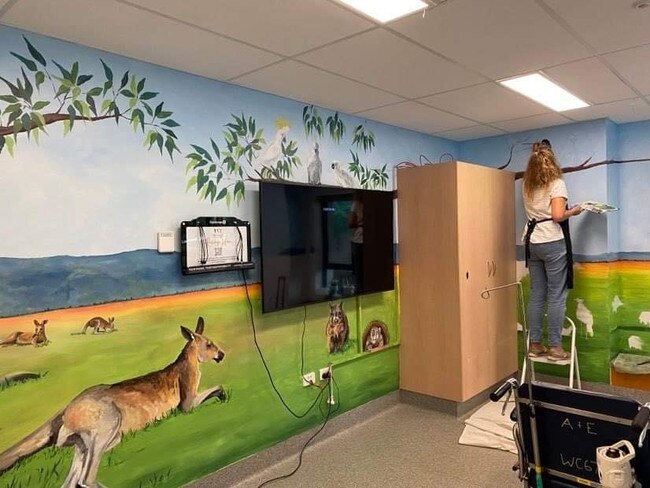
[
  {"x": 428, "y": 263},
  {"x": 486, "y": 256},
  {"x": 502, "y": 304}
]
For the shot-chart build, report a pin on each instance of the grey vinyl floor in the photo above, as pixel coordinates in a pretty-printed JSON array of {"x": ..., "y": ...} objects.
[{"x": 403, "y": 446}]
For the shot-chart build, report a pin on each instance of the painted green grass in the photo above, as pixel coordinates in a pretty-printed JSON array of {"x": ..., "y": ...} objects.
[
  {"x": 633, "y": 287},
  {"x": 611, "y": 329},
  {"x": 184, "y": 447}
]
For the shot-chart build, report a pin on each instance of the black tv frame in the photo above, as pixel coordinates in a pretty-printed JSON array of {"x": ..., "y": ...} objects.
[{"x": 313, "y": 302}]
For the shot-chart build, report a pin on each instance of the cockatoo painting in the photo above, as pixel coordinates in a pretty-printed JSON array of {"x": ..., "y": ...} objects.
[
  {"x": 635, "y": 342},
  {"x": 343, "y": 178},
  {"x": 272, "y": 153},
  {"x": 314, "y": 166},
  {"x": 585, "y": 316},
  {"x": 616, "y": 303}
]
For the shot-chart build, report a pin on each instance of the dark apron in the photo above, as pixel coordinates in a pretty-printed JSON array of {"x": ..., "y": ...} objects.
[{"x": 564, "y": 225}]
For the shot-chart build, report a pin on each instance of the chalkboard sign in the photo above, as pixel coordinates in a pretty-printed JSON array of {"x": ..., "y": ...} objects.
[{"x": 572, "y": 424}]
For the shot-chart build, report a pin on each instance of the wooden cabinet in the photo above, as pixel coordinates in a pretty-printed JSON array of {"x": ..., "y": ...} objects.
[{"x": 456, "y": 238}]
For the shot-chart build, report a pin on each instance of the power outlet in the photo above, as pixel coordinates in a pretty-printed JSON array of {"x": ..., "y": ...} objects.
[
  {"x": 323, "y": 372},
  {"x": 309, "y": 379}
]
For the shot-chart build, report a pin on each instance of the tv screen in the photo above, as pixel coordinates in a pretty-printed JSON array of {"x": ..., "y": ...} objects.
[{"x": 323, "y": 243}]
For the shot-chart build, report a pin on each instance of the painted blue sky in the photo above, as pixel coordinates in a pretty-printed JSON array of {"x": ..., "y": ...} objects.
[
  {"x": 622, "y": 185},
  {"x": 99, "y": 191}
]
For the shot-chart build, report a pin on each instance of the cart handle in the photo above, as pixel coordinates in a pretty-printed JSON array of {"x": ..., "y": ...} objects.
[
  {"x": 509, "y": 385},
  {"x": 640, "y": 423},
  {"x": 641, "y": 419}
]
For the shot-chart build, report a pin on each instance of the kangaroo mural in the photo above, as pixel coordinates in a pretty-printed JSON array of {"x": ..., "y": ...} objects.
[
  {"x": 97, "y": 419},
  {"x": 36, "y": 338},
  {"x": 100, "y": 324}
]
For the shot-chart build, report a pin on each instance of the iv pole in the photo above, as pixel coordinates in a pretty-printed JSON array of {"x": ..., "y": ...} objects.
[{"x": 485, "y": 294}]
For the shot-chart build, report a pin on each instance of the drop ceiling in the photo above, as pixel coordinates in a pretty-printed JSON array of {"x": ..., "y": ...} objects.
[{"x": 433, "y": 71}]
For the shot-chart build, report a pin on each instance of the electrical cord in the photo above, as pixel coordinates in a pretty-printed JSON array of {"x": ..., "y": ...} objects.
[
  {"x": 317, "y": 400},
  {"x": 203, "y": 243},
  {"x": 338, "y": 395},
  {"x": 239, "y": 249},
  {"x": 302, "y": 344},
  {"x": 266, "y": 366},
  {"x": 313, "y": 436}
]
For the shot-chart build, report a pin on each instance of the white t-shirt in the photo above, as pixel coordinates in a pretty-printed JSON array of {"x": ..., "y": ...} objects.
[{"x": 539, "y": 207}]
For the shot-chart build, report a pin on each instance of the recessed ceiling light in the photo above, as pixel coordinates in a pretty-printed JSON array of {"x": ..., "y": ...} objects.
[
  {"x": 386, "y": 10},
  {"x": 542, "y": 90}
]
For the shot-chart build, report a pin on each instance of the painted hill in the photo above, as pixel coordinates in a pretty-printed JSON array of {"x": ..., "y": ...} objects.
[{"x": 32, "y": 285}]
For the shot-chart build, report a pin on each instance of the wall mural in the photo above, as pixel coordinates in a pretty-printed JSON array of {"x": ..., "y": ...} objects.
[
  {"x": 376, "y": 336},
  {"x": 99, "y": 152},
  {"x": 608, "y": 301},
  {"x": 49, "y": 93},
  {"x": 102, "y": 340}
]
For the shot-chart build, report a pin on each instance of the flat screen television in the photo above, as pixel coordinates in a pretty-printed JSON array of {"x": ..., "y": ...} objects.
[{"x": 322, "y": 243}]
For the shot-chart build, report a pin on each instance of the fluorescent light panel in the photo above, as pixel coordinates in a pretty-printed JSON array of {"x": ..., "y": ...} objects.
[
  {"x": 386, "y": 10},
  {"x": 544, "y": 91}
]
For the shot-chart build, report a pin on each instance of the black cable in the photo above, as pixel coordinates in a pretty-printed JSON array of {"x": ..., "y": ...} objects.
[
  {"x": 317, "y": 400},
  {"x": 203, "y": 243},
  {"x": 302, "y": 343},
  {"x": 266, "y": 366},
  {"x": 304, "y": 447},
  {"x": 239, "y": 249}
]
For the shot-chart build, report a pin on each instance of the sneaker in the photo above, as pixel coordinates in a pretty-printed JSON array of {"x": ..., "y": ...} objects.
[
  {"x": 558, "y": 354},
  {"x": 537, "y": 350}
]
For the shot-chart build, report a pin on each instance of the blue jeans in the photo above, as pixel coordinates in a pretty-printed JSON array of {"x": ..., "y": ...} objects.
[{"x": 548, "y": 275}]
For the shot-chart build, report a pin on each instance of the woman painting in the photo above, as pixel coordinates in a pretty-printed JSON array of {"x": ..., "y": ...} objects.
[{"x": 548, "y": 249}]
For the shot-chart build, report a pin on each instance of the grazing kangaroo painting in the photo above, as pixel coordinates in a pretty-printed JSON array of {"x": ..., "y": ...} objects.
[
  {"x": 100, "y": 324},
  {"x": 36, "y": 338},
  {"x": 95, "y": 421}
]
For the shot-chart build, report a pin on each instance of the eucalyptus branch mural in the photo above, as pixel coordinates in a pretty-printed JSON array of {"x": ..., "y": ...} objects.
[
  {"x": 221, "y": 175},
  {"x": 49, "y": 93},
  {"x": 587, "y": 165},
  {"x": 313, "y": 124},
  {"x": 362, "y": 140}
]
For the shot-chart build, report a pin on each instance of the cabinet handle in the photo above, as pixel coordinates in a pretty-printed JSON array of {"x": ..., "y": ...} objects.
[
  {"x": 494, "y": 269},
  {"x": 489, "y": 267}
]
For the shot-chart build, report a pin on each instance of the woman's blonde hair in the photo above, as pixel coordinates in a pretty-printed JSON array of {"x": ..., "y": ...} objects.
[{"x": 542, "y": 169}]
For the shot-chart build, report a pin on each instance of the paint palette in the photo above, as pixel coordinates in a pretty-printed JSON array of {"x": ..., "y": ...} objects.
[{"x": 598, "y": 207}]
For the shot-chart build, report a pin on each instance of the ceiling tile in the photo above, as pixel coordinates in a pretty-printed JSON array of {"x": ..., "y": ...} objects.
[
  {"x": 416, "y": 116},
  {"x": 387, "y": 61},
  {"x": 634, "y": 66},
  {"x": 607, "y": 25},
  {"x": 474, "y": 132},
  {"x": 130, "y": 31},
  {"x": 499, "y": 38},
  {"x": 284, "y": 26},
  {"x": 590, "y": 80},
  {"x": 620, "y": 112},
  {"x": 301, "y": 82},
  {"x": 488, "y": 102},
  {"x": 534, "y": 122}
]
